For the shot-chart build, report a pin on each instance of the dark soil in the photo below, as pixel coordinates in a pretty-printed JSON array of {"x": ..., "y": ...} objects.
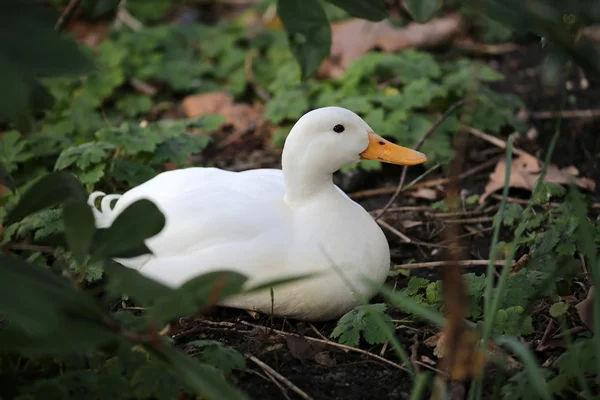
[{"x": 326, "y": 372}]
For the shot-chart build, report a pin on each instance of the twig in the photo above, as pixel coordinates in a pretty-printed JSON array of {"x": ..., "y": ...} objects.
[
  {"x": 30, "y": 247},
  {"x": 270, "y": 378},
  {"x": 546, "y": 334},
  {"x": 414, "y": 350},
  {"x": 493, "y": 140},
  {"x": 279, "y": 377},
  {"x": 427, "y": 134},
  {"x": 434, "y": 264},
  {"x": 143, "y": 87},
  {"x": 484, "y": 48},
  {"x": 335, "y": 344},
  {"x": 435, "y": 182},
  {"x": 65, "y": 17},
  {"x": 468, "y": 220},
  {"x": 315, "y": 330},
  {"x": 590, "y": 113},
  {"x": 395, "y": 231}
]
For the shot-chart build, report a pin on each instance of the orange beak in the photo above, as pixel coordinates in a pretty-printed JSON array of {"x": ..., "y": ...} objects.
[{"x": 386, "y": 151}]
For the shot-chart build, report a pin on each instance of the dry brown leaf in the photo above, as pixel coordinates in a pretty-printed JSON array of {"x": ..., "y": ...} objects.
[
  {"x": 325, "y": 358},
  {"x": 437, "y": 342},
  {"x": 525, "y": 171},
  {"x": 353, "y": 38},
  {"x": 585, "y": 309},
  {"x": 241, "y": 117},
  {"x": 303, "y": 349},
  {"x": 90, "y": 34}
]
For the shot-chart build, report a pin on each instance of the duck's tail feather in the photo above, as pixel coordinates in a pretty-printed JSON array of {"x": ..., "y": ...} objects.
[{"x": 105, "y": 214}]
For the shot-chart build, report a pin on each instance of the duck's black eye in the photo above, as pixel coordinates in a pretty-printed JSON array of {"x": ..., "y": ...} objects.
[{"x": 338, "y": 128}]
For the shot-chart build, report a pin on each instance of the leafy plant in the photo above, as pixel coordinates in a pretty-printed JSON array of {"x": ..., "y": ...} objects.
[{"x": 362, "y": 321}]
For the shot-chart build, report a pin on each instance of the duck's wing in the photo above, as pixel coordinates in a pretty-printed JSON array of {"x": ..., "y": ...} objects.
[{"x": 210, "y": 214}]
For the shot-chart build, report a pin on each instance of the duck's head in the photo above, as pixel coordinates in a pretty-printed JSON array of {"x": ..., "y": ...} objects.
[{"x": 328, "y": 138}]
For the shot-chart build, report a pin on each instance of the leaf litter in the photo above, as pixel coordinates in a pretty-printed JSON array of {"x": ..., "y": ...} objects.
[
  {"x": 525, "y": 171},
  {"x": 353, "y": 38}
]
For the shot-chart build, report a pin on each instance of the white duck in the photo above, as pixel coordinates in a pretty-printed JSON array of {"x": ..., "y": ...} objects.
[{"x": 269, "y": 224}]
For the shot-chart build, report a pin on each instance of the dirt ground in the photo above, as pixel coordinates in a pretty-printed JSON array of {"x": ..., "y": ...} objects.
[{"x": 326, "y": 372}]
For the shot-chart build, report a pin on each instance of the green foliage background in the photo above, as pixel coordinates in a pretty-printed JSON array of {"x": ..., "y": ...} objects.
[{"x": 76, "y": 123}]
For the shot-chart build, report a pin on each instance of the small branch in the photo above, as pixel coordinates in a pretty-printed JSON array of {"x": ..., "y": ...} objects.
[
  {"x": 435, "y": 182},
  {"x": 395, "y": 231},
  {"x": 493, "y": 140},
  {"x": 566, "y": 114},
  {"x": 434, "y": 264},
  {"x": 427, "y": 134},
  {"x": 66, "y": 15},
  {"x": 334, "y": 344},
  {"x": 279, "y": 377}
]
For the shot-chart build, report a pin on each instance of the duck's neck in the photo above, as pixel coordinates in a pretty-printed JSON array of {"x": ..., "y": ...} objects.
[{"x": 304, "y": 183}]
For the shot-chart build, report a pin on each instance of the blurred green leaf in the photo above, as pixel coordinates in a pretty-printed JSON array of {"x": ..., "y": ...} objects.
[
  {"x": 218, "y": 355},
  {"x": 372, "y": 10},
  {"x": 51, "y": 317},
  {"x": 123, "y": 280},
  {"x": 79, "y": 228},
  {"x": 6, "y": 180},
  {"x": 531, "y": 366},
  {"x": 52, "y": 189},
  {"x": 422, "y": 10},
  {"x": 309, "y": 33},
  {"x": 138, "y": 222},
  {"x": 202, "y": 291},
  {"x": 204, "y": 379},
  {"x": 29, "y": 54}
]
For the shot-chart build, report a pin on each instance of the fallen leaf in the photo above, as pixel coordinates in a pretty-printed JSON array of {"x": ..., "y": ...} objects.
[
  {"x": 437, "y": 342},
  {"x": 520, "y": 264},
  {"x": 585, "y": 309},
  {"x": 90, "y": 34},
  {"x": 423, "y": 193},
  {"x": 242, "y": 118},
  {"x": 325, "y": 358},
  {"x": 353, "y": 38},
  {"x": 525, "y": 171},
  {"x": 303, "y": 349}
]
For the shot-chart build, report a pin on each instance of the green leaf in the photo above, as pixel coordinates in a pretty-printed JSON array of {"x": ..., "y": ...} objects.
[
  {"x": 132, "y": 138},
  {"x": 308, "y": 31},
  {"x": 203, "y": 379},
  {"x": 52, "y": 189},
  {"x": 32, "y": 53},
  {"x": 84, "y": 155},
  {"x": 543, "y": 192},
  {"x": 415, "y": 284},
  {"x": 79, "y": 228},
  {"x": 155, "y": 381},
  {"x": 123, "y": 280},
  {"x": 409, "y": 304},
  {"x": 510, "y": 321},
  {"x": 202, "y": 291},
  {"x": 559, "y": 308},
  {"x": 372, "y": 10},
  {"x": 422, "y": 10},
  {"x": 138, "y": 222},
  {"x": 52, "y": 317},
  {"x": 531, "y": 366},
  {"x": 6, "y": 180},
  {"x": 220, "y": 356},
  {"x": 362, "y": 320}
]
